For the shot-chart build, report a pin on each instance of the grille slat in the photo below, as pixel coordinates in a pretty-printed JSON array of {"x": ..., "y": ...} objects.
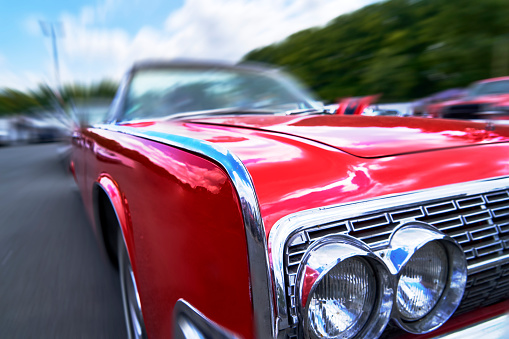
[
  {"x": 406, "y": 214},
  {"x": 477, "y": 217},
  {"x": 322, "y": 231},
  {"x": 366, "y": 223},
  {"x": 504, "y": 226},
  {"x": 470, "y": 202},
  {"x": 500, "y": 212},
  {"x": 489, "y": 249},
  {"x": 460, "y": 236},
  {"x": 479, "y": 223},
  {"x": 440, "y": 208},
  {"x": 449, "y": 224},
  {"x": 444, "y": 222},
  {"x": 484, "y": 232},
  {"x": 497, "y": 197}
]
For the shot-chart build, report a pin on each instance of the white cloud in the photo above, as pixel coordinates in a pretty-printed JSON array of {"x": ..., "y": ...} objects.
[
  {"x": 229, "y": 29},
  {"x": 100, "y": 12},
  {"x": 219, "y": 29},
  {"x": 20, "y": 80}
]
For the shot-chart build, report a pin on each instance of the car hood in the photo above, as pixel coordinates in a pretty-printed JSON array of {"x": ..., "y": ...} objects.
[
  {"x": 301, "y": 162},
  {"x": 371, "y": 137}
]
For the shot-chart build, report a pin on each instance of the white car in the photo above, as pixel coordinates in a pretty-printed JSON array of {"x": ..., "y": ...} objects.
[{"x": 5, "y": 131}]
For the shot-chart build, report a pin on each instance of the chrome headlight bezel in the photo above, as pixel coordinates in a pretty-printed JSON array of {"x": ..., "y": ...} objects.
[
  {"x": 421, "y": 282},
  {"x": 404, "y": 243},
  {"x": 326, "y": 254}
]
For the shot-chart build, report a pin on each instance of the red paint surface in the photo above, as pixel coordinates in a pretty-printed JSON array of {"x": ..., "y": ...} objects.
[
  {"x": 310, "y": 277},
  {"x": 374, "y": 136}
]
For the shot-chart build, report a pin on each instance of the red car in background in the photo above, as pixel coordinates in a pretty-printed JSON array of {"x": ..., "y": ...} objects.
[
  {"x": 235, "y": 206},
  {"x": 487, "y": 99}
]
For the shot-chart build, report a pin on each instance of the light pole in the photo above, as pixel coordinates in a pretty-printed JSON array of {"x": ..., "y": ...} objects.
[{"x": 49, "y": 29}]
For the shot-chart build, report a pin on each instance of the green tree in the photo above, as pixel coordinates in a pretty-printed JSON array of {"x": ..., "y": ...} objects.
[{"x": 403, "y": 49}]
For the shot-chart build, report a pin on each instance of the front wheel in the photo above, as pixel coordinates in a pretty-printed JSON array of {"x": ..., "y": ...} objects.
[{"x": 130, "y": 297}]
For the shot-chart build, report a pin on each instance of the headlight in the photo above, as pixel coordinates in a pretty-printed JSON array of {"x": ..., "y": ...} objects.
[
  {"x": 342, "y": 300},
  {"x": 422, "y": 281},
  {"x": 431, "y": 270},
  {"x": 344, "y": 290}
]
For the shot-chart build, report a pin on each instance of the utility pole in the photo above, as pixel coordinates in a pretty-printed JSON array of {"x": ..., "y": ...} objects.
[{"x": 49, "y": 29}]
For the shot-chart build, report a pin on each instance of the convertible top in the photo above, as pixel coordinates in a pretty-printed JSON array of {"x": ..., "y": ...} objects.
[{"x": 205, "y": 64}]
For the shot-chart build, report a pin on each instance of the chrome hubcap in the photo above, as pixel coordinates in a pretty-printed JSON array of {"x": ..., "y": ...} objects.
[{"x": 130, "y": 297}]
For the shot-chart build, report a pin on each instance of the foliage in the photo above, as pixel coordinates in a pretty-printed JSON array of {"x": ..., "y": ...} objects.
[
  {"x": 14, "y": 101},
  {"x": 404, "y": 49}
]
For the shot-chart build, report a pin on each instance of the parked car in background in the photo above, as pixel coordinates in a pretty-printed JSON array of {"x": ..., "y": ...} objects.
[
  {"x": 5, "y": 131},
  {"x": 43, "y": 126},
  {"x": 487, "y": 99},
  {"x": 375, "y": 111},
  {"x": 421, "y": 107},
  {"x": 235, "y": 206},
  {"x": 355, "y": 105}
]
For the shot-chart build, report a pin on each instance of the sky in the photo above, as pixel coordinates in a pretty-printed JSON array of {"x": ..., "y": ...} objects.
[{"x": 101, "y": 39}]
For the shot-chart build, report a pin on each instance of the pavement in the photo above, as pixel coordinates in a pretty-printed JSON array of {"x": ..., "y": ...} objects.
[{"x": 54, "y": 281}]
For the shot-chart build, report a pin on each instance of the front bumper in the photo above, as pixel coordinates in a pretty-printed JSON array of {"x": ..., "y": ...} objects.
[
  {"x": 494, "y": 328},
  {"x": 490, "y": 322}
]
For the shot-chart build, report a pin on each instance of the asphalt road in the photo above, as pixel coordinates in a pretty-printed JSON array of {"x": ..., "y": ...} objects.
[{"x": 54, "y": 281}]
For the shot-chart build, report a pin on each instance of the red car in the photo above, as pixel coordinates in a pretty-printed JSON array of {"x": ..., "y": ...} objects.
[
  {"x": 487, "y": 99},
  {"x": 237, "y": 207}
]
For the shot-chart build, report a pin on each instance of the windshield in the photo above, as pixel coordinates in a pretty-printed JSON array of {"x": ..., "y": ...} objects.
[
  {"x": 489, "y": 88},
  {"x": 155, "y": 93}
]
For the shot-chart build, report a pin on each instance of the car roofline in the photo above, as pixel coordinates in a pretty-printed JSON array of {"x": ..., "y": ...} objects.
[
  {"x": 200, "y": 64},
  {"x": 485, "y": 81}
]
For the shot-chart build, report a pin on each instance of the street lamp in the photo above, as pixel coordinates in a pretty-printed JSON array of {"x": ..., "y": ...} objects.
[{"x": 50, "y": 29}]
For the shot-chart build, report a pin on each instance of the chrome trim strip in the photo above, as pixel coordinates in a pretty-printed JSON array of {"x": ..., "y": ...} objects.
[
  {"x": 488, "y": 263},
  {"x": 260, "y": 275},
  {"x": 299, "y": 221},
  {"x": 192, "y": 324}
]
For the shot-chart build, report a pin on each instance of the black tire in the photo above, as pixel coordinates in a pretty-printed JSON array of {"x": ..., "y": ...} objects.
[{"x": 130, "y": 298}]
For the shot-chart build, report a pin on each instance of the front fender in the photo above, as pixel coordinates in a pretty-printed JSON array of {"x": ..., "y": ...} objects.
[{"x": 120, "y": 206}]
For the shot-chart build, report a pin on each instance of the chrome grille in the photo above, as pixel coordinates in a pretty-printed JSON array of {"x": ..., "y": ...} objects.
[{"x": 479, "y": 223}]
